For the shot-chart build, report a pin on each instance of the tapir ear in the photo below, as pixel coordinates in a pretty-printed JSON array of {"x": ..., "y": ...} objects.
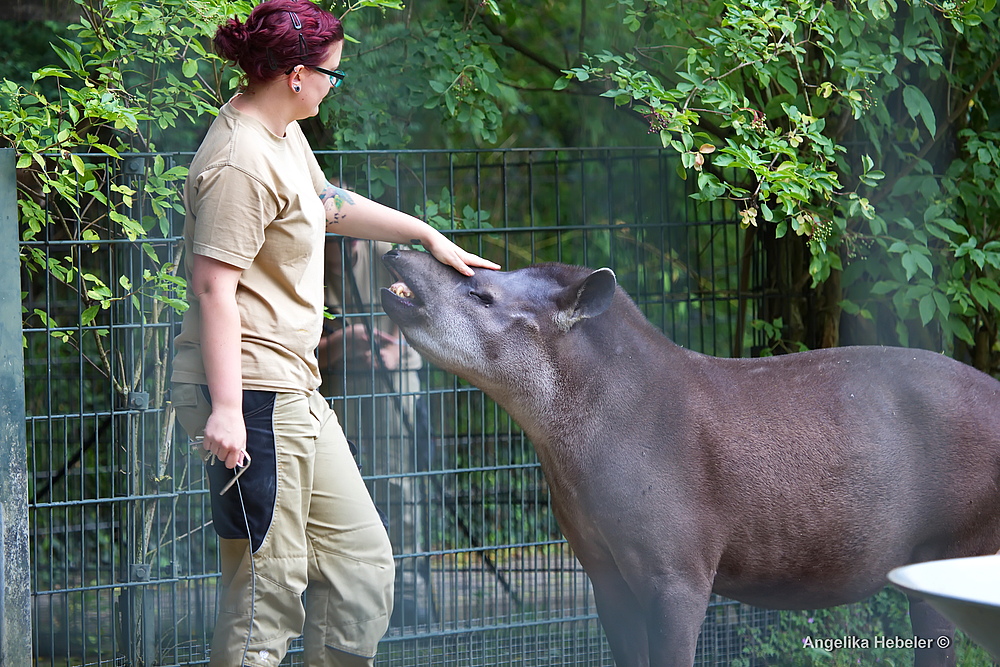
[{"x": 593, "y": 296}]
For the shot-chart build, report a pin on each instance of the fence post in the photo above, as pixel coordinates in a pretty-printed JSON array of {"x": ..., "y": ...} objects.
[{"x": 15, "y": 589}]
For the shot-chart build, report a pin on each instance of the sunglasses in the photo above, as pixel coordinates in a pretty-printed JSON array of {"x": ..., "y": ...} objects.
[{"x": 336, "y": 75}]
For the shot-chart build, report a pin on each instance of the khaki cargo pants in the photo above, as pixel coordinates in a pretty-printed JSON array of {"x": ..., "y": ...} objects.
[{"x": 299, "y": 520}]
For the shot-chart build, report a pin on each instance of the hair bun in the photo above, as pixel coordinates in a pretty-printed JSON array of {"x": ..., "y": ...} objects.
[{"x": 231, "y": 40}]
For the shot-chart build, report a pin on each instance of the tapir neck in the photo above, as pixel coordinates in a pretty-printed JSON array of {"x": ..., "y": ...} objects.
[{"x": 591, "y": 376}]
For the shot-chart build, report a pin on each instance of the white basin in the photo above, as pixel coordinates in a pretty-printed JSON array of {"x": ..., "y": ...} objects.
[{"x": 964, "y": 590}]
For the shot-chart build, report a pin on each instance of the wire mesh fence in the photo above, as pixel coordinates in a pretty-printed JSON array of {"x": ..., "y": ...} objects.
[{"x": 124, "y": 560}]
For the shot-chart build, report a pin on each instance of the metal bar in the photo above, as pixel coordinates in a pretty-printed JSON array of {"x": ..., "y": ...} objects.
[{"x": 15, "y": 590}]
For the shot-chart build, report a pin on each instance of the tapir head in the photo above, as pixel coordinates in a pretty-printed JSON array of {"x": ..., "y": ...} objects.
[{"x": 499, "y": 330}]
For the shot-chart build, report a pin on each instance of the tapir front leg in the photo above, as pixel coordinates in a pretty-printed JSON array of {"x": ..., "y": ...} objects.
[
  {"x": 927, "y": 623},
  {"x": 622, "y": 619},
  {"x": 657, "y": 631},
  {"x": 676, "y": 614}
]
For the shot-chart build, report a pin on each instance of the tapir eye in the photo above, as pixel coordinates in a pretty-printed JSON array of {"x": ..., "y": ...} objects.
[{"x": 484, "y": 298}]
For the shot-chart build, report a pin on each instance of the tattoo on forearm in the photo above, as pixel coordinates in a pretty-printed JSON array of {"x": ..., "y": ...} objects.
[
  {"x": 334, "y": 200},
  {"x": 416, "y": 242}
]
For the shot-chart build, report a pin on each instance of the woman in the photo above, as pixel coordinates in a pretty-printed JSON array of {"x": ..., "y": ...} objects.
[{"x": 297, "y": 518}]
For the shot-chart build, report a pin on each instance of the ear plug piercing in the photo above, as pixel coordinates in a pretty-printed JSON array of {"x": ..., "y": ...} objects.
[{"x": 296, "y": 88}]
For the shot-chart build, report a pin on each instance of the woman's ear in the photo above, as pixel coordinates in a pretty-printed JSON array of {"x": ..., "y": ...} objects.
[{"x": 294, "y": 80}]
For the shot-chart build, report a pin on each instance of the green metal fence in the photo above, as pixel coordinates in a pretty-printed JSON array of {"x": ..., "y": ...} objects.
[{"x": 123, "y": 555}]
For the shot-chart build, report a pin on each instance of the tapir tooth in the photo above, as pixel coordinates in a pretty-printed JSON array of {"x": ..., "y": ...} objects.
[{"x": 401, "y": 290}]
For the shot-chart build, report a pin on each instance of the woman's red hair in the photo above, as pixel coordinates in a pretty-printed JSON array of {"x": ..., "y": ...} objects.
[{"x": 278, "y": 35}]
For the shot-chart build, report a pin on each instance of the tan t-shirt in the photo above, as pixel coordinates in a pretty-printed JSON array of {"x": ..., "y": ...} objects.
[{"x": 252, "y": 201}]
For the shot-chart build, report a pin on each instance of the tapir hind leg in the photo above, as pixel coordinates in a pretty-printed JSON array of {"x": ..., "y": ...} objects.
[{"x": 929, "y": 624}]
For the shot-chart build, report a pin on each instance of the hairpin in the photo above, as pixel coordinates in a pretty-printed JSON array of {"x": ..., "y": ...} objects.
[{"x": 297, "y": 24}]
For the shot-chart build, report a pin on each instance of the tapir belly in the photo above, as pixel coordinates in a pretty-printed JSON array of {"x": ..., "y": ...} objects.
[
  {"x": 837, "y": 564},
  {"x": 826, "y": 571},
  {"x": 781, "y": 531}
]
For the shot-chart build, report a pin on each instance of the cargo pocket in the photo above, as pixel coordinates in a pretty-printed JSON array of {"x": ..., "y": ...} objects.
[{"x": 246, "y": 510}]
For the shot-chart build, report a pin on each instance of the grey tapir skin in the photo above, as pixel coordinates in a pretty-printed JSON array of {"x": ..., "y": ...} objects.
[{"x": 796, "y": 481}]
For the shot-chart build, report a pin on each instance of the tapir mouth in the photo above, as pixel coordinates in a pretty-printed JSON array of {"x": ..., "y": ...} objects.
[
  {"x": 403, "y": 293},
  {"x": 401, "y": 290},
  {"x": 404, "y": 296}
]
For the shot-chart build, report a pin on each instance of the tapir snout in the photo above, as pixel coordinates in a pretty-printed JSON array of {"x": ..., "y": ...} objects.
[{"x": 789, "y": 482}]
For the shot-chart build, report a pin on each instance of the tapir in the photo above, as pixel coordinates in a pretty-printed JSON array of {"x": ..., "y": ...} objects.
[{"x": 790, "y": 482}]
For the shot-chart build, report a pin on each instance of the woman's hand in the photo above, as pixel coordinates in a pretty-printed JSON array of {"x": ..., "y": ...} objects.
[
  {"x": 446, "y": 252},
  {"x": 226, "y": 436}
]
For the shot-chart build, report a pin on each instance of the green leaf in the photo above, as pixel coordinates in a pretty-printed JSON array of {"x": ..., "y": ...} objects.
[
  {"x": 918, "y": 107},
  {"x": 943, "y": 304},
  {"x": 49, "y": 71},
  {"x": 787, "y": 82},
  {"x": 909, "y": 264},
  {"x": 962, "y": 331},
  {"x": 951, "y": 225},
  {"x": 89, "y": 315},
  {"x": 927, "y": 309},
  {"x": 924, "y": 264},
  {"x": 78, "y": 164},
  {"x": 986, "y": 293}
]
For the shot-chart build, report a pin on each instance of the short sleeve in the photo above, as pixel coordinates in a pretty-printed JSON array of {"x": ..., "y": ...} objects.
[{"x": 231, "y": 211}]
